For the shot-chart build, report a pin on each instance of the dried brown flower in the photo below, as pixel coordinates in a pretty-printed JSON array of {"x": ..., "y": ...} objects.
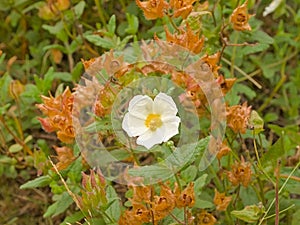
[
  {"x": 238, "y": 117},
  {"x": 205, "y": 218},
  {"x": 182, "y": 7},
  {"x": 221, "y": 201},
  {"x": 164, "y": 203},
  {"x": 240, "y": 173},
  {"x": 59, "y": 115},
  {"x": 187, "y": 39},
  {"x": 65, "y": 157},
  {"x": 213, "y": 62},
  {"x": 185, "y": 198},
  {"x": 153, "y": 9},
  {"x": 223, "y": 151},
  {"x": 240, "y": 17}
]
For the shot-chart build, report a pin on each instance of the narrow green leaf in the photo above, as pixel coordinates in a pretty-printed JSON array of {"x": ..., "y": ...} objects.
[
  {"x": 15, "y": 148},
  {"x": 37, "y": 182},
  {"x": 111, "y": 26},
  {"x": 99, "y": 41},
  {"x": 133, "y": 24},
  {"x": 79, "y": 8}
]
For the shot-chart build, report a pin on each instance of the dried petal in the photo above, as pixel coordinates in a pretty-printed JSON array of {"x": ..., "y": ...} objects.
[
  {"x": 221, "y": 201},
  {"x": 205, "y": 218},
  {"x": 153, "y": 9},
  {"x": 185, "y": 198},
  {"x": 240, "y": 17},
  {"x": 187, "y": 39},
  {"x": 238, "y": 117},
  {"x": 65, "y": 157},
  {"x": 182, "y": 7},
  {"x": 240, "y": 173}
]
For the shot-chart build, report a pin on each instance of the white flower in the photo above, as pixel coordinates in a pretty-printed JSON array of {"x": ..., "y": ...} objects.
[
  {"x": 152, "y": 121},
  {"x": 272, "y": 7}
]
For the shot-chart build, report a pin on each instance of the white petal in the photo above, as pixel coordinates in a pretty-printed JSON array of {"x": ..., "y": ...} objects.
[
  {"x": 164, "y": 105},
  {"x": 140, "y": 106},
  {"x": 170, "y": 128},
  {"x": 150, "y": 138},
  {"x": 133, "y": 126}
]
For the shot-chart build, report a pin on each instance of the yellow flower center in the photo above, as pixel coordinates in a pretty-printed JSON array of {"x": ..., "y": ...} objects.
[{"x": 153, "y": 121}]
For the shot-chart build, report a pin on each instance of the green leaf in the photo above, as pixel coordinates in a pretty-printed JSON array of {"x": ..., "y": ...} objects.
[
  {"x": 79, "y": 8},
  {"x": 59, "y": 206},
  {"x": 72, "y": 219},
  {"x": 262, "y": 37},
  {"x": 99, "y": 125},
  {"x": 133, "y": 24},
  {"x": 48, "y": 78},
  {"x": 77, "y": 71},
  {"x": 250, "y": 214},
  {"x": 296, "y": 218},
  {"x": 245, "y": 90},
  {"x": 63, "y": 203},
  {"x": 63, "y": 76},
  {"x": 189, "y": 173},
  {"x": 153, "y": 172},
  {"x": 31, "y": 94},
  {"x": 111, "y": 26},
  {"x": 4, "y": 109},
  {"x": 203, "y": 204},
  {"x": 256, "y": 122},
  {"x": 4, "y": 88},
  {"x": 99, "y": 41},
  {"x": 114, "y": 210},
  {"x": 37, "y": 182},
  {"x": 15, "y": 148},
  {"x": 254, "y": 49},
  {"x": 277, "y": 150},
  {"x": 200, "y": 183},
  {"x": 57, "y": 30}
]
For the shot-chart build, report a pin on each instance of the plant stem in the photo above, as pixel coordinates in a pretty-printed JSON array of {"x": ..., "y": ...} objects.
[
  {"x": 283, "y": 186},
  {"x": 101, "y": 13},
  {"x": 275, "y": 90}
]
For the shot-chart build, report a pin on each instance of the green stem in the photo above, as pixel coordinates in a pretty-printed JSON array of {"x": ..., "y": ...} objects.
[
  {"x": 258, "y": 71},
  {"x": 283, "y": 186},
  {"x": 275, "y": 90},
  {"x": 101, "y": 13},
  {"x": 236, "y": 38}
]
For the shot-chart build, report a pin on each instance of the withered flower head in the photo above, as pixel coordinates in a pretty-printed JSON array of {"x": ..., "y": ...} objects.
[
  {"x": 164, "y": 203},
  {"x": 59, "y": 115},
  {"x": 213, "y": 62},
  {"x": 141, "y": 194},
  {"x": 225, "y": 84},
  {"x": 205, "y": 218},
  {"x": 153, "y": 9},
  {"x": 187, "y": 39},
  {"x": 240, "y": 173},
  {"x": 65, "y": 157},
  {"x": 238, "y": 117},
  {"x": 221, "y": 201},
  {"x": 138, "y": 215},
  {"x": 185, "y": 198},
  {"x": 240, "y": 17},
  {"x": 223, "y": 151},
  {"x": 182, "y": 7}
]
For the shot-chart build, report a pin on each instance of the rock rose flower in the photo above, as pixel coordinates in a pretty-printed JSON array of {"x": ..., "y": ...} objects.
[{"x": 152, "y": 121}]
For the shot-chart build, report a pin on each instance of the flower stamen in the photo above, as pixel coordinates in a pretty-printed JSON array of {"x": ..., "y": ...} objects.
[{"x": 153, "y": 121}]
